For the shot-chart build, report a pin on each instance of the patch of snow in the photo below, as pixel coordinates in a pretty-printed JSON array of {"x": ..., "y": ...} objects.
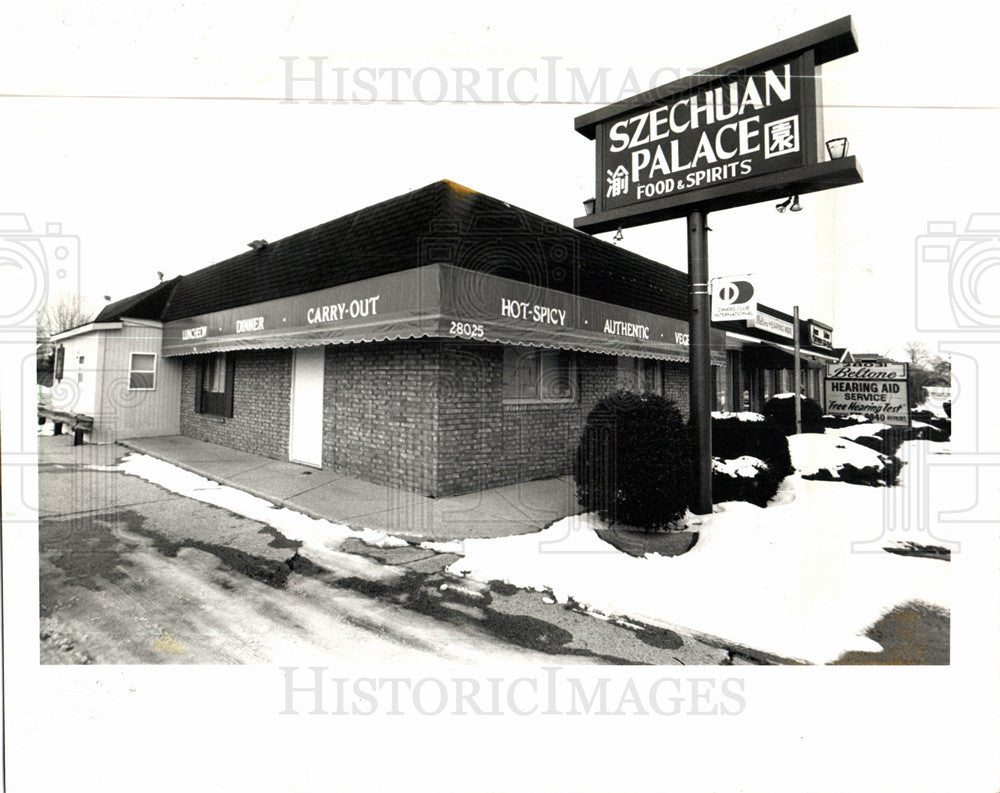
[
  {"x": 787, "y": 395},
  {"x": 743, "y": 415},
  {"x": 746, "y": 467},
  {"x": 321, "y": 537},
  {"x": 782, "y": 579},
  {"x": 857, "y": 430},
  {"x": 812, "y": 453},
  {"x": 451, "y": 546},
  {"x": 919, "y": 424},
  {"x": 858, "y": 417}
]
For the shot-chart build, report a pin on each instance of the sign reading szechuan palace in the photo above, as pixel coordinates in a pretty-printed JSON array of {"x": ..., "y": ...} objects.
[
  {"x": 745, "y": 131},
  {"x": 877, "y": 391}
]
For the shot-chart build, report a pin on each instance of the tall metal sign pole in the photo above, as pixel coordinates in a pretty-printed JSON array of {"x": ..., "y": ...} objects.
[
  {"x": 797, "y": 366},
  {"x": 745, "y": 131},
  {"x": 700, "y": 351}
]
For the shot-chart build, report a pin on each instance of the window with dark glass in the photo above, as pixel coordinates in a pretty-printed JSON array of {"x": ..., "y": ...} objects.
[
  {"x": 532, "y": 375},
  {"x": 214, "y": 394},
  {"x": 142, "y": 372}
]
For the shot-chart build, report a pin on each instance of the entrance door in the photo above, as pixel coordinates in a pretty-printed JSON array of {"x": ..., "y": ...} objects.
[{"x": 305, "y": 436}]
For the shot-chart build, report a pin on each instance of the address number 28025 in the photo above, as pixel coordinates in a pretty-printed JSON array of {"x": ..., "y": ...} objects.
[{"x": 467, "y": 330}]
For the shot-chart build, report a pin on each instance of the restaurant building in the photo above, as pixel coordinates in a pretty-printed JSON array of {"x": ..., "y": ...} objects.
[{"x": 442, "y": 342}]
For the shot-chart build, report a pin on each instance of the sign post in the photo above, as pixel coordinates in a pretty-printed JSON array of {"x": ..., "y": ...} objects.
[
  {"x": 700, "y": 351},
  {"x": 795, "y": 375},
  {"x": 745, "y": 131}
]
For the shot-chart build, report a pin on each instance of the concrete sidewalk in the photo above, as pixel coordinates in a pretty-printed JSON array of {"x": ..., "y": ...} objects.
[{"x": 516, "y": 509}]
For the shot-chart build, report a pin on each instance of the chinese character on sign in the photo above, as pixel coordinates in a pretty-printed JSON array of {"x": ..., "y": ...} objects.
[
  {"x": 617, "y": 182},
  {"x": 781, "y": 136}
]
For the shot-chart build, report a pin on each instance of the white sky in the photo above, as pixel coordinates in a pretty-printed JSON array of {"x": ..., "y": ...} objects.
[{"x": 149, "y": 183}]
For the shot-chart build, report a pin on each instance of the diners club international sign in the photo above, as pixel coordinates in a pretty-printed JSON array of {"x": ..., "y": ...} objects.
[{"x": 745, "y": 131}]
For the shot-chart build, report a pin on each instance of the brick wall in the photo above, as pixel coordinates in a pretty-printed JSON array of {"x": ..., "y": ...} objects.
[
  {"x": 380, "y": 412},
  {"x": 676, "y": 381},
  {"x": 261, "y": 389},
  {"x": 421, "y": 415},
  {"x": 483, "y": 443}
]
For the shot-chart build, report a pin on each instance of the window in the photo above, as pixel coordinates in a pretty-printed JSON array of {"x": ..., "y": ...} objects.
[
  {"x": 641, "y": 375},
  {"x": 531, "y": 375},
  {"x": 214, "y": 385},
  {"x": 141, "y": 371}
]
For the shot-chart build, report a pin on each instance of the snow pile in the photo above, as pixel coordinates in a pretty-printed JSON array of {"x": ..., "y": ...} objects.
[
  {"x": 782, "y": 579},
  {"x": 746, "y": 466},
  {"x": 787, "y": 395},
  {"x": 319, "y": 536},
  {"x": 853, "y": 431},
  {"x": 812, "y": 453},
  {"x": 743, "y": 415}
]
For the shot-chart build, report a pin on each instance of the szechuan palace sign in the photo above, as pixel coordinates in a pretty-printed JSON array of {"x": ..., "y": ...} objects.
[{"x": 745, "y": 131}]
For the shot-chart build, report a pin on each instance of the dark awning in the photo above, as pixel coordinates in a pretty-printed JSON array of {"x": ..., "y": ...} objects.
[
  {"x": 438, "y": 301},
  {"x": 766, "y": 355}
]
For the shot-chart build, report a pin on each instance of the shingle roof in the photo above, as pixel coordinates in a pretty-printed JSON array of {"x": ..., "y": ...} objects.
[
  {"x": 144, "y": 305},
  {"x": 440, "y": 223},
  {"x": 443, "y": 222}
]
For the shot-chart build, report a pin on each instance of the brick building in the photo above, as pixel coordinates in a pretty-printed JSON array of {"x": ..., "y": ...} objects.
[{"x": 442, "y": 341}]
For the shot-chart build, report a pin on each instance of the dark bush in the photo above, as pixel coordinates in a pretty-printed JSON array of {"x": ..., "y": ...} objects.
[
  {"x": 946, "y": 406},
  {"x": 782, "y": 413},
  {"x": 633, "y": 463},
  {"x": 874, "y": 476},
  {"x": 733, "y": 438}
]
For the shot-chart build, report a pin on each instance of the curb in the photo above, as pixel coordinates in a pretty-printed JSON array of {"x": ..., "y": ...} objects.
[{"x": 225, "y": 481}]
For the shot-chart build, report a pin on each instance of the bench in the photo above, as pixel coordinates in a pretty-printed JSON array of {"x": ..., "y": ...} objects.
[{"x": 75, "y": 421}]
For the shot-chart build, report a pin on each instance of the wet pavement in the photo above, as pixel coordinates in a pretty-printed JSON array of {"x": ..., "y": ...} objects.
[{"x": 132, "y": 573}]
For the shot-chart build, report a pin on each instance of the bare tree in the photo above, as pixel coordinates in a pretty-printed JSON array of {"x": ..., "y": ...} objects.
[{"x": 64, "y": 312}]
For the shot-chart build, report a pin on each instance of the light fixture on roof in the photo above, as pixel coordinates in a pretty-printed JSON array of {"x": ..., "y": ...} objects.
[
  {"x": 107, "y": 298},
  {"x": 796, "y": 206},
  {"x": 618, "y": 235},
  {"x": 160, "y": 276},
  {"x": 589, "y": 205},
  {"x": 257, "y": 244},
  {"x": 837, "y": 148}
]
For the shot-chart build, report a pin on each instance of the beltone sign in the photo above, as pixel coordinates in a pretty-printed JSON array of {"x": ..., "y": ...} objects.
[{"x": 877, "y": 391}]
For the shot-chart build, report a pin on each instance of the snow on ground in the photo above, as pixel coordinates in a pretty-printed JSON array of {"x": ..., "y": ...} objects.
[
  {"x": 321, "y": 537},
  {"x": 782, "y": 579},
  {"x": 812, "y": 453},
  {"x": 743, "y": 415},
  {"x": 857, "y": 430},
  {"x": 745, "y": 466}
]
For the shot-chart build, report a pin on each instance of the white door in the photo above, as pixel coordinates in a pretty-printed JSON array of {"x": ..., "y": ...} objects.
[{"x": 305, "y": 437}]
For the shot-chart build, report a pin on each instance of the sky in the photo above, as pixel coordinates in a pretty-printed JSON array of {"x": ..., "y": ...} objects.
[{"x": 156, "y": 135}]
